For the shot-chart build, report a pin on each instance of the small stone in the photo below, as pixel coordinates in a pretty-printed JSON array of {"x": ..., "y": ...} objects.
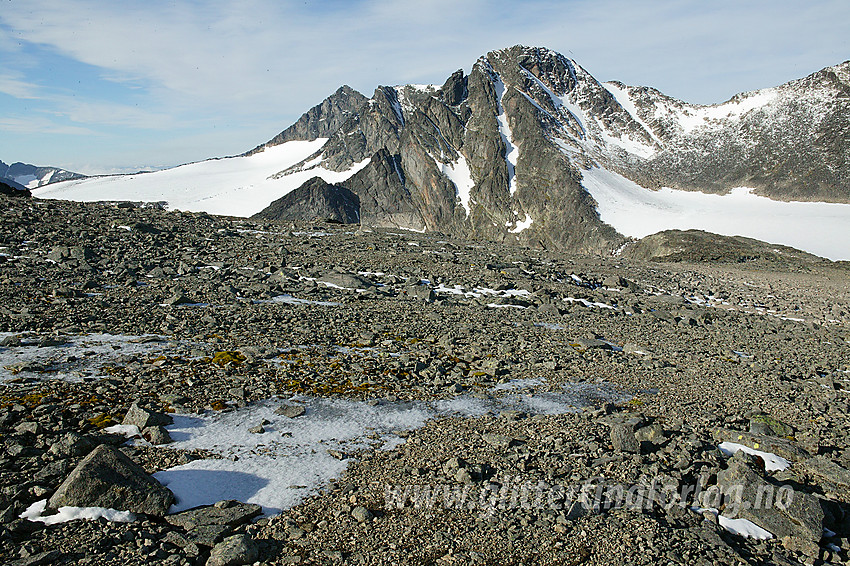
[
  {"x": 463, "y": 476},
  {"x": 257, "y": 429},
  {"x": 498, "y": 441},
  {"x": 156, "y": 435},
  {"x": 361, "y": 514},
  {"x": 291, "y": 411},
  {"x": 144, "y": 418},
  {"x": 236, "y": 550}
]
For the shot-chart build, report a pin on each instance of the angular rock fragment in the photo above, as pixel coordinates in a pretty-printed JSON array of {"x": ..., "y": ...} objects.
[
  {"x": 107, "y": 478},
  {"x": 143, "y": 418},
  {"x": 780, "y": 510},
  {"x": 234, "y": 551}
]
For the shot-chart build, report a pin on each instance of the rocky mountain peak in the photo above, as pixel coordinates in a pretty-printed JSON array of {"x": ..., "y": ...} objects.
[{"x": 322, "y": 120}]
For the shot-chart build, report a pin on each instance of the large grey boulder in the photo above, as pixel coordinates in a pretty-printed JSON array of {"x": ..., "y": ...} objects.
[
  {"x": 209, "y": 524},
  {"x": 108, "y": 478},
  {"x": 784, "y": 512},
  {"x": 346, "y": 280}
]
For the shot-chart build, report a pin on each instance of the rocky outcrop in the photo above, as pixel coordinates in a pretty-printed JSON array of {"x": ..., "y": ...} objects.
[
  {"x": 315, "y": 199},
  {"x": 697, "y": 246}
]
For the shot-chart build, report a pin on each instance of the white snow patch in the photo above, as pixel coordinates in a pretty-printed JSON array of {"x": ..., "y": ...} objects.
[
  {"x": 80, "y": 356},
  {"x": 520, "y": 225},
  {"x": 458, "y": 173},
  {"x": 772, "y": 462},
  {"x": 511, "y": 151},
  {"x": 232, "y": 186},
  {"x": 128, "y": 430},
  {"x": 816, "y": 227},
  {"x": 280, "y": 467},
  {"x": 740, "y": 527},
  {"x": 65, "y": 514}
]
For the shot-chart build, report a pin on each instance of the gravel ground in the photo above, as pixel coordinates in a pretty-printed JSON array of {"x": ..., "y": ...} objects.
[{"x": 106, "y": 305}]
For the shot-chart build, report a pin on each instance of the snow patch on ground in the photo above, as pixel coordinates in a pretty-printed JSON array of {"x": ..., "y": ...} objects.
[
  {"x": 819, "y": 228},
  {"x": 80, "y": 356},
  {"x": 232, "y": 186},
  {"x": 290, "y": 460},
  {"x": 64, "y": 514},
  {"x": 772, "y": 462},
  {"x": 740, "y": 527}
]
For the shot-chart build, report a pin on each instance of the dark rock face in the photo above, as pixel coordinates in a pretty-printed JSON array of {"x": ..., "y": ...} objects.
[
  {"x": 315, "y": 199},
  {"x": 322, "y": 120},
  {"x": 499, "y": 154},
  {"x": 108, "y": 478}
]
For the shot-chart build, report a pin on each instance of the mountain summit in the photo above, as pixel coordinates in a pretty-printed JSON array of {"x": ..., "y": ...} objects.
[
  {"x": 502, "y": 153},
  {"x": 530, "y": 148}
]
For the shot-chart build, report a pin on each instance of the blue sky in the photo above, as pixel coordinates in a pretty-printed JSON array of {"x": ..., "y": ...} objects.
[{"x": 96, "y": 87}]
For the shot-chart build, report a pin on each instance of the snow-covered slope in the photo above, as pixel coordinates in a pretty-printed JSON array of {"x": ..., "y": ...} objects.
[
  {"x": 233, "y": 186},
  {"x": 816, "y": 227}
]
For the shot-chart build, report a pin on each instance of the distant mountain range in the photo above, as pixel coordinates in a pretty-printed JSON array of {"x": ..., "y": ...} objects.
[
  {"x": 32, "y": 176},
  {"x": 529, "y": 147}
]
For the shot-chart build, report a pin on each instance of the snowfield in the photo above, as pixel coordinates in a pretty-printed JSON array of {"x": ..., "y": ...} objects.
[
  {"x": 232, "y": 186},
  {"x": 816, "y": 227}
]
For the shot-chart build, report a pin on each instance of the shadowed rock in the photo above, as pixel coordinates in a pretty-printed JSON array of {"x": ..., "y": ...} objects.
[{"x": 315, "y": 199}]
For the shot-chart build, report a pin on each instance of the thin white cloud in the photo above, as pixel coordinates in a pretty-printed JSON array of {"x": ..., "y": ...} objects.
[
  {"x": 41, "y": 125},
  {"x": 14, "y": 86},
  {"x": 261, "y": 63}
]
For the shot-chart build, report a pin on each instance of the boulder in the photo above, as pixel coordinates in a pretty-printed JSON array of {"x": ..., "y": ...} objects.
[
  {"x": 143, "y": 418},
  {"x": 234, "y": 551},
  {"x": 829, "y": 475},
  {"x": 108, "y": 478},
  {"x": 346, "y": 280},
  {"x": 623, "y": 439},
  {"x": 783, "y": 512},
  {"x": 207, "y": 525},
  {"x": 779, "y": 446}
]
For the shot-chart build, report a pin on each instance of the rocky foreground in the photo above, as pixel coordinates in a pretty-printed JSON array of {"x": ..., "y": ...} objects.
[{"x": 212, "y": 314}]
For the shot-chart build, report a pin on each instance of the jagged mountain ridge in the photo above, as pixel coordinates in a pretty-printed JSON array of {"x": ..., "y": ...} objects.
[
  {"x": 500, "y": 153},
  {"x": 530, "y": 148},
  {"x": 32, "y": 176}
]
